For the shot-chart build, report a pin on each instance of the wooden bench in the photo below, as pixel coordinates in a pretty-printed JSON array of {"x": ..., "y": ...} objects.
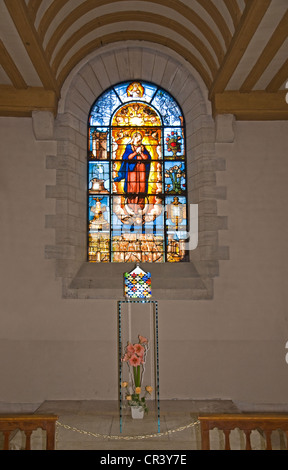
[
  {"x": 9, "y": 423},
  {"x": 246, "y": 422}
]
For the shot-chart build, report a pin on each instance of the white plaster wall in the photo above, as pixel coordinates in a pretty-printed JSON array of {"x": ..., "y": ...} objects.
[{"x": 231, "y": 347}]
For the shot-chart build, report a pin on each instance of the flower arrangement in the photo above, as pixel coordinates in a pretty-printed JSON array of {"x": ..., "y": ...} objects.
[{"x": 135, "y": 357}]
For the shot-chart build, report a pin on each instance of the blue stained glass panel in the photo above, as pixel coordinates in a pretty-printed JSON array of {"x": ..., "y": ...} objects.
[
  {"x": 103, "y": 108},
  {"x": 99, "y": 143},
  {"x": 173, "y": 143},
  {"x": 99, "y": 229},
  {"x": 176, "y": 228},
  {"x": 175, "y": 177},
  {"x": 99, "y": 177},
  {"x": 168, "y": 108},
  {"x": 99, "y": 212}
]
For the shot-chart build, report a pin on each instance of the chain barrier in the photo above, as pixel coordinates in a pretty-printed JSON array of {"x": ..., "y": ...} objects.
[{"x": 144, "y": 436}]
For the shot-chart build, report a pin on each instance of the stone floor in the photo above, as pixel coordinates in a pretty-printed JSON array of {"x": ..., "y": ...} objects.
[
  {"x": 178, "y": 425},
  {"x": 95, "y": 425}
]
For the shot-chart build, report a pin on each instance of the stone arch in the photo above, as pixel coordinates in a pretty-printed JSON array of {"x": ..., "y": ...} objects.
[{"x": 88, "y": 80}]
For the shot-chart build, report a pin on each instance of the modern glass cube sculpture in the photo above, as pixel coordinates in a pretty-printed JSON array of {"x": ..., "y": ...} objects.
[{"x": 137, "y": 284}]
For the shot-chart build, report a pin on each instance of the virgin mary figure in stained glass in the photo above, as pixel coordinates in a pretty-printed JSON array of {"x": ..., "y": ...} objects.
[{"x": 134, "y": 170}]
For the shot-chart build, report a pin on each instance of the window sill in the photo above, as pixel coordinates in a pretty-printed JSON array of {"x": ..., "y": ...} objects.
[{"x": 170, "y": 281}]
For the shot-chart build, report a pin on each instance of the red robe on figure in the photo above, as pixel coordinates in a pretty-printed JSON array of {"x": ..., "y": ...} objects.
[{"x": 135, "y": 169}]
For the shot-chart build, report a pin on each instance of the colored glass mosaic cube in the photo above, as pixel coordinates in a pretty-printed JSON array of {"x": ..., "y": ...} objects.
[{"x": 137, "y": 284}]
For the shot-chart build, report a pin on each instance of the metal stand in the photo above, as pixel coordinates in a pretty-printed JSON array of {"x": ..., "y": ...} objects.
[{"x": 156, "y": 353}]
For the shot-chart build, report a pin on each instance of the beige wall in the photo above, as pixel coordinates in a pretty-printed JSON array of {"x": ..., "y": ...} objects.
[{"x": 231, "y": 347}]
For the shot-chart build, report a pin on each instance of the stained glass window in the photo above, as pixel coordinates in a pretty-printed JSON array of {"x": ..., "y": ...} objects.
[{"x": 137, "y": 176}]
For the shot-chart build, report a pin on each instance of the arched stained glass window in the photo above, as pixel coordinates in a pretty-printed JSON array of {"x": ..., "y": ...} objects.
[{"x": 137, "y": 193}]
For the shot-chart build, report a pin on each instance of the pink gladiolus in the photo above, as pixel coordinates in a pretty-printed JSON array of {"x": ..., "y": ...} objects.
[
  {"x": 142, "y": 339},
  {"x": 130, "y": 348},
  {"x": 126, "y": 357},
  {"x": 139, "y": 350},
  {"x": 134, "y": 360}
]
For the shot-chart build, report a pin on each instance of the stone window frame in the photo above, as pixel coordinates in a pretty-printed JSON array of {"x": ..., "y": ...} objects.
[{"x": 83, "y": 280}]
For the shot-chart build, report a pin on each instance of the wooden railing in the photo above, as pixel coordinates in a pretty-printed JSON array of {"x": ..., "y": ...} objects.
[
  {"x": 246, "y": 422},
  {"x": 9, "y": 423}
]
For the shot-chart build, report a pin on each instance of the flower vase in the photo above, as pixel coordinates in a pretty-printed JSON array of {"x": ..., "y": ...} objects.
[{"x": 137, "y": 412}]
